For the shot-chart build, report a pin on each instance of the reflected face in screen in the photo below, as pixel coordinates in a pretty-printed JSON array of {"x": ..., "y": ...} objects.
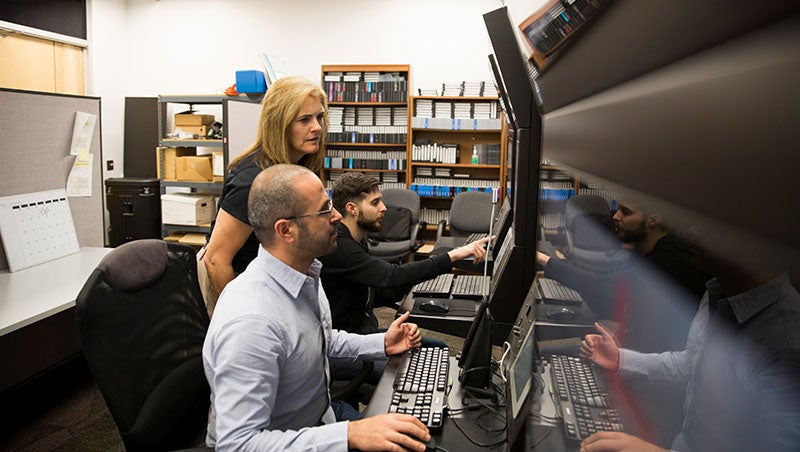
[{"x": 629, "y": 223}]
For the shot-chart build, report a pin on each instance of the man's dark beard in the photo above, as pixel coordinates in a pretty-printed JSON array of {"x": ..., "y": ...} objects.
[
  {"x": 368, "y": 225},
  {"x": 635, "y": 236}
]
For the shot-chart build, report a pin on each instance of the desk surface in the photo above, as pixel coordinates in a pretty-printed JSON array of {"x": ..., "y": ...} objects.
[
  {"x": 450, "y": 436},
  {"x": 448, "y": 324},
  {"x": 32, "y": 294}
]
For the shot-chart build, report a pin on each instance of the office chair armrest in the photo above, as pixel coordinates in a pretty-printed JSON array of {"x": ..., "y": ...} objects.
[
  {"x": 440, "y": 229},
  {"x": 349, "y": 390},
  {"x": 419, "y": 235}
]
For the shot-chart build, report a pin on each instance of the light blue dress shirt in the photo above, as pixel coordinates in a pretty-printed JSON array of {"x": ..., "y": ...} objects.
[
  {"x": 742, "y": 365},
  {"x": 266, "y": 359}
]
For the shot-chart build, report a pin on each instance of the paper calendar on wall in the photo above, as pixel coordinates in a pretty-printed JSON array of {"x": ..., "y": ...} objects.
[{"x": 36, "y": 228}]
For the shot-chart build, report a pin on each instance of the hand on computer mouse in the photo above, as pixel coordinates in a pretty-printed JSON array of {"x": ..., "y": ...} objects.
[{"x": 380, "y": 433}]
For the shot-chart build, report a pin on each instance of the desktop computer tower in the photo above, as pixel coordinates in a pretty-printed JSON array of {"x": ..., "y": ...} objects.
[{"x": 134, "y": 208}]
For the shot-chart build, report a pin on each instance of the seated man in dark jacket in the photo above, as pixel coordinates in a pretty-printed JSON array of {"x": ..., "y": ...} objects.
[{"x": 351, "y": 276}]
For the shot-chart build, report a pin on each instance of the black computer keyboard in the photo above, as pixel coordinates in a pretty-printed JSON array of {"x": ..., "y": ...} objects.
[
  {"x": 420, "y": 387},
  {"x": 476, "y": 236},
  {"x": 553, "y": 292},
  {"x": 436, "y": 287},
  {"x": 469, "y": 286},
  {"x": 583, "y": 399}
]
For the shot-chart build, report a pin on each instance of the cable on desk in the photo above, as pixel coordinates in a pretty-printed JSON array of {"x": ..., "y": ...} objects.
[
  {"x": 489, "y": 429},
  {"x": 506, "y": 349},
  {"x": 536, "y": 443},
  {"x": 553, "y": 420},
  {"x": 475, "y": 442}
]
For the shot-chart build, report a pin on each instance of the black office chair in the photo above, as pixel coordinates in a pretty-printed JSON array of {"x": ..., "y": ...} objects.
[
  {"x": 142, "y": 323},
  {"x": 358, "y": 390},
  {"x": 401, "y": 225},
  {"x": 470, "y": 212},
  {"x": 591, "y": 243}
]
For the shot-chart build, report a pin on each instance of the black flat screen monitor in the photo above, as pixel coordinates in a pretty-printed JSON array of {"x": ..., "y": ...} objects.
[
  {"x": 513, "y": 66},
  {"x": 502, "y": 222},
  {"x": 476, "y": 353}
]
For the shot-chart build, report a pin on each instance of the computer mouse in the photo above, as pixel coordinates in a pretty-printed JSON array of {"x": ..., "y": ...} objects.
[
  {"x": 434, "y": 305},
  {"x": 430, "y": 445},
  {"x": 561, "y": 314}
]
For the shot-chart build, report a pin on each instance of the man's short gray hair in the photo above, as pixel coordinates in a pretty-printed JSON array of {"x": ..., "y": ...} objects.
[{"x": 274, "y": 196}]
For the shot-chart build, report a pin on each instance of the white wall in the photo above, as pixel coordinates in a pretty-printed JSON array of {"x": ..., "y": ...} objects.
[
  {"x": 106, "y": 75},
  {"x": 149, "y": 47}
]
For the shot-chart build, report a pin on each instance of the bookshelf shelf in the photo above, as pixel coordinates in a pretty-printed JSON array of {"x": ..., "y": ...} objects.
[
  {"x": 473, "y": 131},
  {"x": 367, "y": 170},
  {"x": 368, "y": 113},
  {"x": 456, "y": 165},
  {"x": 370, "y": 145},
  {"x": 369, "y": 104},
  {"x": 454, "y": 145}
]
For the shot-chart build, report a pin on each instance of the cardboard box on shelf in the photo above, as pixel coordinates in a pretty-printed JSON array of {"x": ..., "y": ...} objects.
[
  {"x": 189, "y": 118},
  {"x": 168, "y": 156},
  {"x": 196, "y": 168},
  {"x": 186, "y": 209},
  {"x": 197, "y": 239}
]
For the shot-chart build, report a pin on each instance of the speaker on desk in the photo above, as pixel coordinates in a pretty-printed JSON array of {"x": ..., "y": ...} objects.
[{"x": 134, "y": 208}]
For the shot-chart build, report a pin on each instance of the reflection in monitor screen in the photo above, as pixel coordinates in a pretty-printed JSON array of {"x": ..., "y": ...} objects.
[
  {"x": 521, "y": 373},
  {"x": 501, "y": 260}
]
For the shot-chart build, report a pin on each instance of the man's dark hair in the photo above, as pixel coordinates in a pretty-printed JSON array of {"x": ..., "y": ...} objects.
[{"x": 352, "y": 187}]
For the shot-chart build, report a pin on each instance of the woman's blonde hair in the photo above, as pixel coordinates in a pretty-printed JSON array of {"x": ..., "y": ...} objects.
[{"x": 279, "y": 108}]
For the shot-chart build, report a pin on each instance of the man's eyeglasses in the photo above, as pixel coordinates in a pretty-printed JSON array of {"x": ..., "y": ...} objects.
[{"x": 315, "y": 214}]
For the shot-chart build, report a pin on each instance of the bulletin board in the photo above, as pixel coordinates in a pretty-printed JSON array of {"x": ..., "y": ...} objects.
[{"x": 35, "y": 135}]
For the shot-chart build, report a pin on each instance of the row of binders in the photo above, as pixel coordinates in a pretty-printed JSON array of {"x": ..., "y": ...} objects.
[
  {"x": 365, "y": 86},
  {"x": 478, "y": 88},
  {"x": 429, "y": 108},
  {"x": 375, "y": 154},
  {"x": 368, "y": 116},
  {"x": 434, "y": 216},
  {"x": 388, "y": 180},
  {"x": 456, "y": 124},
  {"x": 448, "y": 188},
  {"x": 435, "y": 153},
  {"x": 367, "y": 134},
  {"x": 356, "y": 163}
]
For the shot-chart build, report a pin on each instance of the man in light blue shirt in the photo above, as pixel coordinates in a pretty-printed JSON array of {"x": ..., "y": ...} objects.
[
  {"x": 741, "y": 363},
  {"x": 267, "y": 351}
]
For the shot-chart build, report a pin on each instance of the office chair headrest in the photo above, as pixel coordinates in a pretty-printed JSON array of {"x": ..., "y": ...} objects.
[{"x": 135, "y": 265}]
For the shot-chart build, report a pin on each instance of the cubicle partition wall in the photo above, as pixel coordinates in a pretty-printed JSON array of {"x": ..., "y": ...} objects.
[
  {"x": 35, "y": 135},
  {"x": 37, "y": 320}
]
